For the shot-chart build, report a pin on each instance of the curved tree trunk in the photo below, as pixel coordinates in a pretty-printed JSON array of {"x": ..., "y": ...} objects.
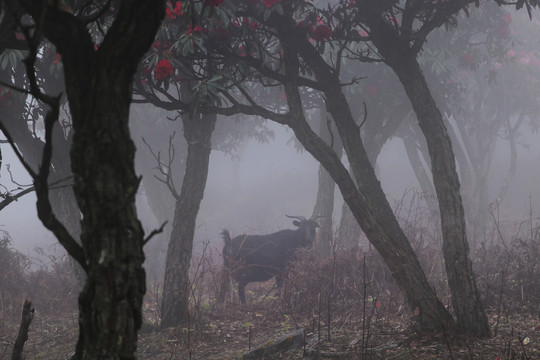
[
  {"x": 175, "y": 302},
  {"x": 466, "y": 300},
  {"x": 367, "y": 201}
]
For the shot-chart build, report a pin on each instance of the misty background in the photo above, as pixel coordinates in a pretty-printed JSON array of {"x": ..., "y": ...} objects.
[
  {"x": 253, "y": 193},
  {"x": 252, "y": 188}
]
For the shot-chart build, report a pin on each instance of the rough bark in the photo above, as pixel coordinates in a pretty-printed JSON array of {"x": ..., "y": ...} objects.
[
  {"x": 367, "y": 201},
  {"x": 175, "y": 302},
  {"x": 399, "y": 51},
  {"x": 98, "y": 86},
  {"x": 466, "y": 300}
]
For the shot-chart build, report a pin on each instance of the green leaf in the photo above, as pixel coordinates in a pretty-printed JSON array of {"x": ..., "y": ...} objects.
[
  {"x": 5, "y": 59},
  {"x": 267, "y": 13},
  {"x": 200, "y": 45},
  {"x": 13, "y": 59}
]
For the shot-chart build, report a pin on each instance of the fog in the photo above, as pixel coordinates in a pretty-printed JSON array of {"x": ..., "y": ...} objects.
[
  {"x": 253, "y": 193},
  {"x": 252, "y": 189}
]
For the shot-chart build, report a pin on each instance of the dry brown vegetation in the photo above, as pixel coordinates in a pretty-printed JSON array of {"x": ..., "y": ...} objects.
[{"x": 347, "y": 304}]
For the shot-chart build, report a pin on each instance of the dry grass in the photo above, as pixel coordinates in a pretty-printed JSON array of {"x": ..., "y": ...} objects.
[{"x": 348, "y": 305}]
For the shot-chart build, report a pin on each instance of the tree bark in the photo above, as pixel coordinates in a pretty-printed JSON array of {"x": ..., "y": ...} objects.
[
  {"x": 367, "y": 201},
  {"x": 324, "y": 205},
  {"x": 98, "y": 86},
  {"x": 175, "y": 302},
  {"x": 466, "y": 300}
]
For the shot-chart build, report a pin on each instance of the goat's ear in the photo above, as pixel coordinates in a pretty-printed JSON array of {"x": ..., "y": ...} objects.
[{"x": 296, "y": 223}]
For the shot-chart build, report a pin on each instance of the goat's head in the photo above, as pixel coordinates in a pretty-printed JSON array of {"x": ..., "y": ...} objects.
[{"x": 306, "y": 226}]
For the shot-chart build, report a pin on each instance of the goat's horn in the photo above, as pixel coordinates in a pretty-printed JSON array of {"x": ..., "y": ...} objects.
[{"x": 301, "y": 218}]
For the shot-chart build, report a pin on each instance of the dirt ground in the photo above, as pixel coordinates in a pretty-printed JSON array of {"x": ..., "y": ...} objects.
[
  {"x": 227, "y": 333},
  {"x": 348, "y": 306}
]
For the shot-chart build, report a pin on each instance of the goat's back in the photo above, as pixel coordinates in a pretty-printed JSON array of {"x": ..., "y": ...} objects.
[{"x": 265, "y": 250}]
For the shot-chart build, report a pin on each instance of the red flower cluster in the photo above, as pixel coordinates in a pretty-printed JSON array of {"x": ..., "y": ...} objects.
[
  {"x": 172, "y": 13},
  {"x": 57, "y": 58},
  {"x": 4, "y": 94},
  {"x": 163, "y": 69},
  {"x": 194, "y": 29},
  {"x": 321, "y": 33},
  {"x": 214, "y": 3},
  {"x": 270, "y": 3},
  {"x": 161, "y": 45},
  {"x": 219, "y": 33}
]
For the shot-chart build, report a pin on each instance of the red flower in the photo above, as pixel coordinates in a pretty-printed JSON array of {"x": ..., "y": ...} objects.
[
  {"x": 507, "y": 18},
  {"x": 254, "y": 25},
  {"x": 270, "y": 3},
  {"x": 241, "y": 51},
  {"x": 321, "y": 32},
  {"x": 173, "y": 13},
  {"x": 57, "y": 58},
  {"x": 467, "y": 59},
  {"x": 219, "y": 33},
  {"x": 163, "y": 69},
  {"x": 4, "y": 94},
  {"x": 372, "y": 90},
  {"x": 194, "y": 29},
  {"x": 503, "y": 31},
  {"x": 309, "y": 26},
  {"x": 214, "y": 3}
]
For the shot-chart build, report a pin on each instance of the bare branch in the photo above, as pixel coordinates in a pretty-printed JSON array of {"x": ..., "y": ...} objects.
[{"x": 154, "y": 233}]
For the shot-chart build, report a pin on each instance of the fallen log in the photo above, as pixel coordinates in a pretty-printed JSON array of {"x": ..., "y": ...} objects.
[{"x": 285, "y": 343}]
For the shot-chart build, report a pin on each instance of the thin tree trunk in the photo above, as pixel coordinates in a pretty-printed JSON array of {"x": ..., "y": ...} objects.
[
  {"x": 349, "y": 232},
  {"x": 422, "y": 175},
  {"x": 175, "y": 302},
  {"x": 324, "y": 205}
]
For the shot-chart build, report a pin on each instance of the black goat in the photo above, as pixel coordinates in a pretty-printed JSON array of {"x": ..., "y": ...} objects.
[{"x": 256, "y": 258}]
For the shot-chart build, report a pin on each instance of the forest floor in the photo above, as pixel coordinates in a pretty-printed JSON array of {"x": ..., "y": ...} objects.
[
  {"x": 383, "y": 333},
  {"x": 347, "y": 304}
]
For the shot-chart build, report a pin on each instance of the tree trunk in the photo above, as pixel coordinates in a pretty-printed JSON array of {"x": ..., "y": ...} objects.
[
  {"x": 349, "y": 232},
  {"x": 175, "y": 303},
  {"x": 324, "y": 206},
  {"x": 367, "y": 201},
  {"x": 466, "y": 300},
  {"x": 422, "y": 174},
  {"x": 98, "y": 86}
]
